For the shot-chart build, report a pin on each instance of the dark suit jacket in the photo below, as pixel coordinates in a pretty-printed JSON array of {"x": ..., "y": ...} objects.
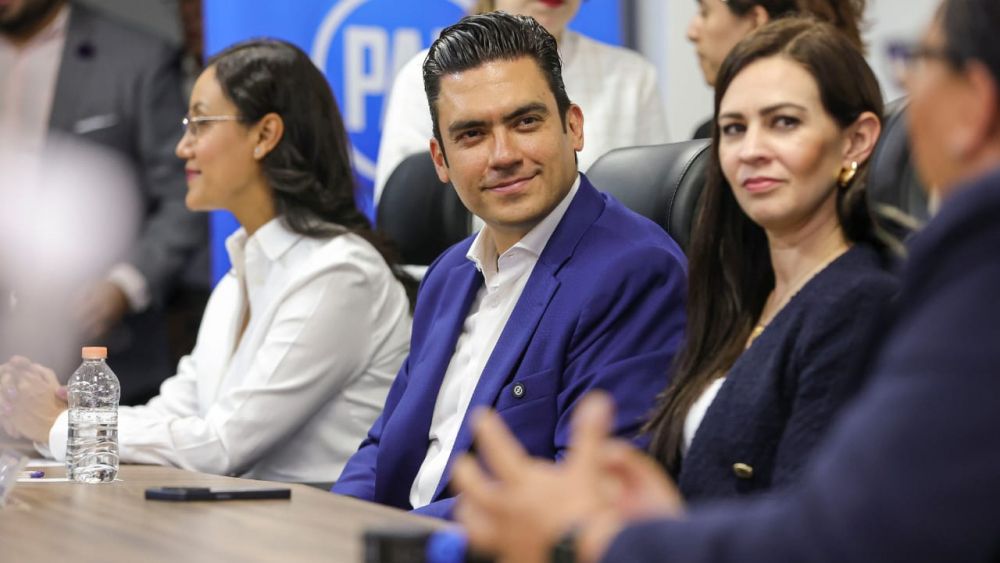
[
  {"x": 121, "y": 88},
  {"x": 782, "y": 394},
  {"x": 911, "y": 472},
  {"x": 602, "y": 309}
]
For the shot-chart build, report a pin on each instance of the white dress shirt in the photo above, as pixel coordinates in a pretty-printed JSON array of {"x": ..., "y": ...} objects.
[
  {"x": 505, "y": 277},
  {"x": 291, "y": 399},
  {"x": 696, "y": 414},
  {"x": 615, "y": 87}
]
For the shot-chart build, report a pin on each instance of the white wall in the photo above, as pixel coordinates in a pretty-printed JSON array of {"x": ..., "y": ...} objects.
[{"x": 661, "y": 28}]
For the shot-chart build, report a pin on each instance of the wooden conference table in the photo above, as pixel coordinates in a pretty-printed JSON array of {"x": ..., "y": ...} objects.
[{"x": 61, "y": 521}]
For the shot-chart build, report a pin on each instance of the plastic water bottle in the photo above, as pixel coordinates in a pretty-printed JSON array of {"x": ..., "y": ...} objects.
[{"x": 92, "y": 447}]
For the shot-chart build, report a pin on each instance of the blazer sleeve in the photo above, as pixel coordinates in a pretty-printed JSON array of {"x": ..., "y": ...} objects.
[{"x": 170, "y": 232}]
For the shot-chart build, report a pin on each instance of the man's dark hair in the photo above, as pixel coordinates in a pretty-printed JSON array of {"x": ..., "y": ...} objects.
[
  {"x": 970, "y": 28},
  {"x": 480, "y": 39}
]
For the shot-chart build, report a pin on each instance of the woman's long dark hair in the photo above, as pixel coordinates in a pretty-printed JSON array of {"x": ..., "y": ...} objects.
[
  {"x": 845, "y": 15},
  {"x": 729, "y": 259},
  {"x": 309, "y": 170}
]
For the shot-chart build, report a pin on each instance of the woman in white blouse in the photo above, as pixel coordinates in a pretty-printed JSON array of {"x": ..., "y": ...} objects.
[{"x": 302, "y": 338}]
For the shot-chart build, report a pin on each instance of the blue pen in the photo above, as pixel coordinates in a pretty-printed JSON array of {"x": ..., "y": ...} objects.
[{"x": 33, "y": 474}]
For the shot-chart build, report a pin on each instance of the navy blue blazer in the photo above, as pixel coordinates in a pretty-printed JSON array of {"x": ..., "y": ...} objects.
[
  {"x": 782, "y": 394},
  {"x": 602, "y": 309},
  {"x": 911, "y": 471}
]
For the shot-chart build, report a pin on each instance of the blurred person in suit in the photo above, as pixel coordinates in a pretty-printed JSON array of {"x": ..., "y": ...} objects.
[
  {"x": 909, "y": 472},
  {"x": 302, "y": 338},
  {"x": 615, "y": 86},
  {"x": 721, "y": 24},
  {"x": 69, "y": 71}
]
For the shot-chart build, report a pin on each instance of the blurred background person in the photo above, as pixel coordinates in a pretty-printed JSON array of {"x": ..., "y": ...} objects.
[
  {"x": 301, "y": 340},
  {"x": 616, "y": 88},
  {"x": 788, "y": 272},
  {"x": 721, "y": 24},
  {"x": 68, "y": 70}
]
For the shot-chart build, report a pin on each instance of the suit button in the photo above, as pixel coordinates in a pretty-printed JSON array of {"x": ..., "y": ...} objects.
[
  {"x": 518, "y": 390},
  {"x": 742, "y": 471}
]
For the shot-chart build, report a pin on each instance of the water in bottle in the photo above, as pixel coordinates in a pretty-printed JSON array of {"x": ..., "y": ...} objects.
[{"x": 92, "y": 447}]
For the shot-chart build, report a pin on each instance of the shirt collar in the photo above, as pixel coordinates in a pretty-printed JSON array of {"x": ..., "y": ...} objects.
[
  {"x": 483, "y": 252},
  {"x": 273, "y": 239}
]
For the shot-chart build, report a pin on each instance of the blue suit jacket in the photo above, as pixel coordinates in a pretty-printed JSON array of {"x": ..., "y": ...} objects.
[
  {"x": 912, "y": 471},
  {"x": 603, "y": 308}
]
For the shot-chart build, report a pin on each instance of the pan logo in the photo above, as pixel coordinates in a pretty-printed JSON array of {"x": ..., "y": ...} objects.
[{"x": 360, "y": 44}]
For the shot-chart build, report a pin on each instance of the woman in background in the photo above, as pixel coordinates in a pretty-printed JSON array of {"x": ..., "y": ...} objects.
[
  {"x": 721, "y": 24},
  {"x": 300, "y": 341}
]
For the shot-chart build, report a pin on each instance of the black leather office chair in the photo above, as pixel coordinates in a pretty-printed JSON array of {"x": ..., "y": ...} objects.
[
  {"x": 895, "y": 191},
  {"x": 660, "y": 182},
  {"x": 421, "y": 215}
]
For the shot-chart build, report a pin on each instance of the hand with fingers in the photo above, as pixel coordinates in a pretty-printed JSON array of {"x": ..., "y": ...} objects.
[
  {"x": 32, "y": 399},
  {"x": 523, "y": 506}
]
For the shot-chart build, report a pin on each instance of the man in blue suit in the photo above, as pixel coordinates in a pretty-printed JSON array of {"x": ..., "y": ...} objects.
[{"x": 562, "y": 292}]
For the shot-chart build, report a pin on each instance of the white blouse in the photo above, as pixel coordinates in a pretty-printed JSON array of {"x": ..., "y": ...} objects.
[
  {"x": 697, "y": 412},
  {"x": 291, "y": 399}
]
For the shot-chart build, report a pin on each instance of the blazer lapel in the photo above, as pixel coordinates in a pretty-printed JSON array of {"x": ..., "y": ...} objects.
[
  {"x": 534, "y": 300},
  {"x": 79, "y": 58},
  {"x": 404, "y": 447}
]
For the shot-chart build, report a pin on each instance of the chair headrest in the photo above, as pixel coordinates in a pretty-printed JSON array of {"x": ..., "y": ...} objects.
[
  {"x": 893, "y": 183},
  {"x": 660, "y": 182},
  {"x": 419, "y": 213}
]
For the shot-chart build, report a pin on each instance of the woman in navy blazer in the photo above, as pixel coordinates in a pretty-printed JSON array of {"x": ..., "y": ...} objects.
[{"x": 787, "y": 268}]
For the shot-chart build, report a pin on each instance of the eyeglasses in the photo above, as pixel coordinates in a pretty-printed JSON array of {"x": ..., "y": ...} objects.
[
  {"x": 906, "y": 57},
  {"x": 195, "y": 125}
]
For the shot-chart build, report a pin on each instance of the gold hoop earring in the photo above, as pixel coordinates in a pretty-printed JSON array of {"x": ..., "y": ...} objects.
[{"x": 847, "y": 174}]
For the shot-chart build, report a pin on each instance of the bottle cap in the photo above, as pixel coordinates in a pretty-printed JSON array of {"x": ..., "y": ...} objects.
[{"x": 95, "y": 353}]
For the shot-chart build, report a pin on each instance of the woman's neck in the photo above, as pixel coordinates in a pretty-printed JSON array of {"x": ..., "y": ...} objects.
[
  {"x": 255, "y": 212},
  {"x": 799, "y": 254}
]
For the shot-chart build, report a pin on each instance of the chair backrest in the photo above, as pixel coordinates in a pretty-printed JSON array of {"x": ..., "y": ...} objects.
[
  {"x": 660, "y": 182},
  {"x": 419, "y": 213},
  {"x": 895, "y": 191}
]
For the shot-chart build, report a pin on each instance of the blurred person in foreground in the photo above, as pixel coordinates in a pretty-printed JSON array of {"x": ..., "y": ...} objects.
[
  {"x": 301, "y": 339},
  {"x": 71, "y": 72},
  {"x": 909, "y": 472}
]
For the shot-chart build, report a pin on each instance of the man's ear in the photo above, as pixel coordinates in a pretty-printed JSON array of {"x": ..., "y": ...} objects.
[
  {"x": 440, "y": 161},
  {"x": 574, "y": 126},
  {"x": 269, "y": 131},
  {"x": 983, "y": 123},
  {"x": 758, "y": 16}
]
